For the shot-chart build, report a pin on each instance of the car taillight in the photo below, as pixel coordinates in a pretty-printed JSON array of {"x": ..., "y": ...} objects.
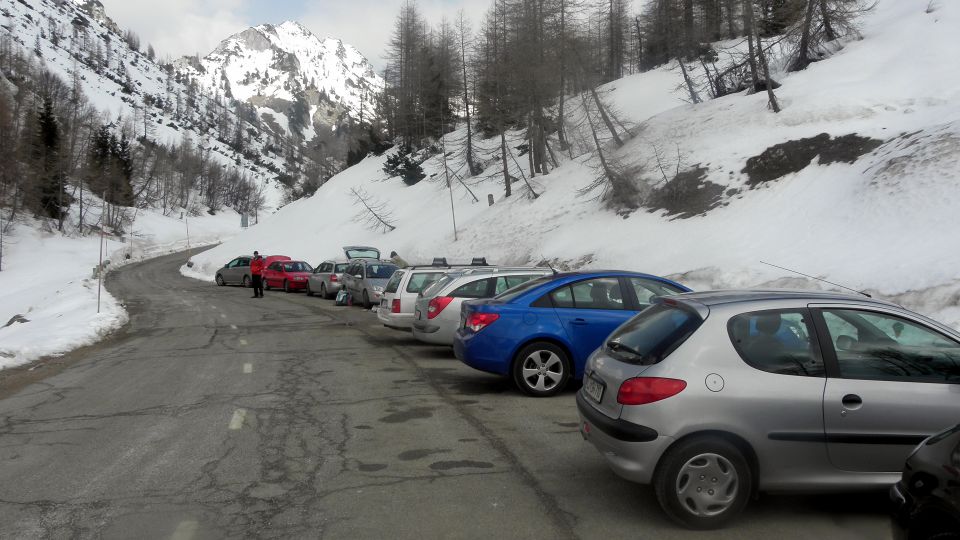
[
  {"x": 436, "y": 305},
  {"x": 333, "y": 277},
  {"x": 643, "y": 390},
  {"x": 479, "y": 321},
  {"x": 395, "y": 306}
]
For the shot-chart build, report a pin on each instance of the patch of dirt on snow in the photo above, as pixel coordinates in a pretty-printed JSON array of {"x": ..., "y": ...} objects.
[
  {"x": 793, "y": 156},
  {"x": 688, "y": 194}
]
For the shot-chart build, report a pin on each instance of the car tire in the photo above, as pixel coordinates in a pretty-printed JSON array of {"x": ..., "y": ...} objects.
[
  {"x": 541, "y": 369},
  {"x": 323, "y": 291},
  {"x": 309, "y": 289},
  {"x": 266, "y": 285},
  {"x": 220, "y": 280},
  {"x": 286, "y": 287},
  {"x": 366, "y": 300},
  {"x": 246, "y": 282},
  {"x": 703, "y": 483}
]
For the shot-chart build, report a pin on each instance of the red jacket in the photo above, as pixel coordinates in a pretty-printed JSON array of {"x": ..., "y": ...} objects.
[{"x": 256, "y": 266}]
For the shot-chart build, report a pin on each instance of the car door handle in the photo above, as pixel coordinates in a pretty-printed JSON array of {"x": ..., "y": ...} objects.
[
  {"x": 579, "y": 322},
  {"x": 852, "y": 401}
]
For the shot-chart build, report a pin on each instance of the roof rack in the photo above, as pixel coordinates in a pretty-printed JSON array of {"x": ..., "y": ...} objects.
[{"x": 441, "y": 262}]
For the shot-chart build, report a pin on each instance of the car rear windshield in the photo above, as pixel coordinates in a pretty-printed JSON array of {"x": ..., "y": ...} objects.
[
  {"x": 434, "y": 288},
  {"x": 653, "y": 334},
  {"x": 362, "y": 253},
  {"x": 297, "y": 266},
  {"x": 380, "y": 271},
  {"x": 422, "y": 280},
  {"x": 510, "y": 294},
  {"x": 394, "y": 282}
]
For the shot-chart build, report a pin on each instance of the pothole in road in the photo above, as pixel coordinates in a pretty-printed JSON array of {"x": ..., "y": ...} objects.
[
  {"x": 406, "y": 416},
  {"x": 371, "y": 467},
  {"x": 421, "y": 453},
  {"x": 461, "y": 464}
]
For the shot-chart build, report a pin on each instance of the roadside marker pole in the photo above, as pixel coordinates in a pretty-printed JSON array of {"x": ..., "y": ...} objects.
[{"x": 100, "y": 265}]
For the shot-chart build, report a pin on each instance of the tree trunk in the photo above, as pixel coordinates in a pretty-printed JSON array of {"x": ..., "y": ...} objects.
[
  {"x": 768, "y": 82},
  {"x": 828, "y": 31},
  {"x": 752, "y": 58},
  {"x": 803, "y": 49},
  {"x": 603, "y": 115},
  {"x": 694, "y": 98},
  {"x": 503, "y": 155}
]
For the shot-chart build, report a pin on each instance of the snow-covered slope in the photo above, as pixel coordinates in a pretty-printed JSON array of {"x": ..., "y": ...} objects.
[
  {"x": 886, "y": 222},
  {"x": 79, "y": 42},
  {"x": 278, "y": 67}
]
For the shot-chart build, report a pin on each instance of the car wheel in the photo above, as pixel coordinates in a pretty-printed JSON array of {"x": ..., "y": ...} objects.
[
  {"x": 366, "y": 300},
  {"x": 703, "y": 483},
  {"x": 323, "y": 291},
  {"x": 309, "y": 289},
  {"x": 286, "y": 287},
  {"x": 266, "y": 285},
  {"x": 220, "y": 281},
  {"x": 541, "y": 369},
  {"x": 246, "y": 281}
]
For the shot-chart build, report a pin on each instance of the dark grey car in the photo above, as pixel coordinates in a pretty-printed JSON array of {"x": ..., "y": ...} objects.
[
  {"x": 235, "y": 272},
  {"x": 365, "y": 279},
  {"x": 712, "y": 396}
]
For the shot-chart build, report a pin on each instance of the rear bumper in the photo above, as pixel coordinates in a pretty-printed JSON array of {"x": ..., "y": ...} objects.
[
  {"x": 631, "y": 451},
  {"x": 397, "y": 321},
  {"x": 900, "y": 505},
  {"x": 431, "y": 333},
  {"x": 475, "y": 351}
]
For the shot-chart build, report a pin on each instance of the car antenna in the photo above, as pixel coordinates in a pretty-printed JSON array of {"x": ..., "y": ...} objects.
[
  {"x": 550, "y": 266},
  {"x": 818, "y": 279}
]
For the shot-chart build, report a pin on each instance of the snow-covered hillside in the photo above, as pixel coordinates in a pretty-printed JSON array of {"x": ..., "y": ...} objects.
[
  {"x": 277, "y": 67},
  {"x": 77, "y": 41},
  {"x": 48, "y": 279},
  {"x": 877, "y": 213}
]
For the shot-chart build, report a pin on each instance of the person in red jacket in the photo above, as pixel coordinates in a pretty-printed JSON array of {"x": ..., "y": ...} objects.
[{"x": 256, "y": 274}]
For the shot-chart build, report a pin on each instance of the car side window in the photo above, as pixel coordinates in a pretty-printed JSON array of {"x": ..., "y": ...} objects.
[
  {"x": 776, "y": 341},
  {"x": 508, "y": 282},
  {"x": 878, "y": 346},
  {"x": 233, "y": 263},
  {"x": 475, "y": 289},
  {"x": 244, "y": 262},
  {"x": 647, "y": 289},
  {"x": 598, "y": 293},
  {"x": 422, "y": 280}
]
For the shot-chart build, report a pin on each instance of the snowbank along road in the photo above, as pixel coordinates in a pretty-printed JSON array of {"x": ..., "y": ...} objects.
[{"x": 215, "y": 415}]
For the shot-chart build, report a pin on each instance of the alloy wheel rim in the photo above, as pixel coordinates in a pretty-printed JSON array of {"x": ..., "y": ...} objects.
[
  {"x": 707, "y": 485},
  {"x": 542, "y": 370}
]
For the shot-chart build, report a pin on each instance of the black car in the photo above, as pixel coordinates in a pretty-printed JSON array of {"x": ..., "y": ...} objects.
[{"x": 927, "y": 499}]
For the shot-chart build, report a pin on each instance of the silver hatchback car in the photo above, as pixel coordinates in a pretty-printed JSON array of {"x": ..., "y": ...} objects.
[
  {"x": 712, "y": 397},
  {"x": 436, "y": 314}
]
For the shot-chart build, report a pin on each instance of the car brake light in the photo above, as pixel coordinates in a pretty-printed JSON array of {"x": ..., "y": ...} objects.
[
  {"x": 643, "y": 390},
  {"x": 333, "y": 277},
  {"x": 437, "y": 304},
  {"x": 479, "y": 321},
  {"x": 395, "y": 306}
]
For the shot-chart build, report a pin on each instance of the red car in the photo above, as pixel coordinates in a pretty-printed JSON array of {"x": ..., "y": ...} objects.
[{"x": 287, "y": 275}]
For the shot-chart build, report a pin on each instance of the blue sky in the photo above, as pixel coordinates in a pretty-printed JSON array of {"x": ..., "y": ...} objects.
[{"x": 182, "y": 27}]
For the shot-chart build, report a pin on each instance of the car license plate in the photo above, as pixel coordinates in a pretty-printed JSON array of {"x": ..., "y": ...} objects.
[{"x": 593, "y": 388}]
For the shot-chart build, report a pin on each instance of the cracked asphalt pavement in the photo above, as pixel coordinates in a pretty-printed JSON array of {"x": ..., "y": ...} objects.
[{"x": 214, "y": 415}]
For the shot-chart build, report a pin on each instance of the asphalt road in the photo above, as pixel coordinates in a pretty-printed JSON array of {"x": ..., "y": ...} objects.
[{"x": 214, "y": 415}]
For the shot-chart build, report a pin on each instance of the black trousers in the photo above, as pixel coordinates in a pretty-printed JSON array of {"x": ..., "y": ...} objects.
[{"x": 257, "y": 285}]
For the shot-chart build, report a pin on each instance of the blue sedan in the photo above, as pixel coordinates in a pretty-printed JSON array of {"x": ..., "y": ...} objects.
[{"x": 541, "y": 333}]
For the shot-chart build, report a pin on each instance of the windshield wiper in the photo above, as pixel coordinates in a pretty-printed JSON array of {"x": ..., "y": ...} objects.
[{"x": 618, "y": 347}]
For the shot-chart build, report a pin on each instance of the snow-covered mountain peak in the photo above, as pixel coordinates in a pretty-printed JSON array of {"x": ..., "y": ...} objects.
[{"x": 298, "y": 81}]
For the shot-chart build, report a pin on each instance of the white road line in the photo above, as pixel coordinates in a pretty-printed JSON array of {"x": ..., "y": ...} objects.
[
  {"x": 185, "y": 530},
  {"x": 223, "y": 315},
  {"x": 248, "y": 368},
  {"x": 233, "y": 327},
  {"x": 238, "y": 417},
  {"x": 243, "y": 341}
]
